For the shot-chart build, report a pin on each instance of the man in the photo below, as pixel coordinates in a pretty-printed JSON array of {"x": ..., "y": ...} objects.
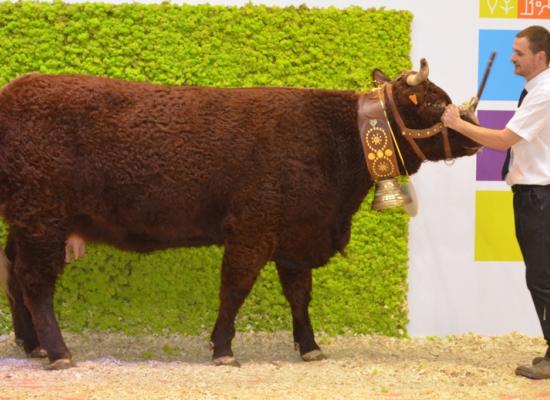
[{"x": 528, "y": 172}]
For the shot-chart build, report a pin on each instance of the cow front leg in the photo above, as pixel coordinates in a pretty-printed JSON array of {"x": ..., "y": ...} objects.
[
  {"x": 25, "y": 335},
  {"x": 296, "y": 283},
  {"x": 37, "y": 265},
  {"x": 241, "y": 265}
]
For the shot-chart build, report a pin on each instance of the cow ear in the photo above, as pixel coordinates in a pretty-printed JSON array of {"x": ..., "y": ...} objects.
[{"x": 379, "y": 77}]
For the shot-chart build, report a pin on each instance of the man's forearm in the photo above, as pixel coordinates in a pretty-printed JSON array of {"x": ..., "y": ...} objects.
[{"x": 494, "y": 138}]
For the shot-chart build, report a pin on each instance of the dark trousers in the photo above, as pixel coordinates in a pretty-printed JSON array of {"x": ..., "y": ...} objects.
[{"x": 532, "y": 219}]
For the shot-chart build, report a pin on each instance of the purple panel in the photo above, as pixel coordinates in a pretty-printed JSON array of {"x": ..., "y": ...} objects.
[
  {"x": 489, "y": 164},
  {"x": 489, "y": 161},
  {"x": 494, "y": 119}
]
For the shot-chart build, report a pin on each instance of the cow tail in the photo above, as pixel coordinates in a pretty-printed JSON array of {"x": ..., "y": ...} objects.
[{"x": 4, "y": 271}]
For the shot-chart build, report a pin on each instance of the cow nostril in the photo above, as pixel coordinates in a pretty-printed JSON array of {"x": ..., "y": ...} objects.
[{"x": 437, "y": 106}]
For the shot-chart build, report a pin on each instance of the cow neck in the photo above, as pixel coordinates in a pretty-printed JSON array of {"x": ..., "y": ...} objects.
[
  {"x": 377, "y": 136},
  {"x": 413, "y": 134}
]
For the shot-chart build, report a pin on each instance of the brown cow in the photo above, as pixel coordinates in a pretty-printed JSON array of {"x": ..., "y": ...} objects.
[{"x": 270, "y": 173}]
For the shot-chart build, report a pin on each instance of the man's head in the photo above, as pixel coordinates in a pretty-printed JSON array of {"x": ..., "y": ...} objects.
[{"x": 531, "y": 51}]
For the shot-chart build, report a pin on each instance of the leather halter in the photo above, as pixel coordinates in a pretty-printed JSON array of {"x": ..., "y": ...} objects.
[{"x": 412, "y": 134}]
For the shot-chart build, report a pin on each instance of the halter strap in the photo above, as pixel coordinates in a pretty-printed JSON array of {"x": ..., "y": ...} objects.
[{"x": 412, "y": 134}]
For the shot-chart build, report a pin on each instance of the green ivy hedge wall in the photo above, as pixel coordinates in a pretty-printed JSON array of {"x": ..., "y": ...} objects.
[{"x": 176, "y": 291}]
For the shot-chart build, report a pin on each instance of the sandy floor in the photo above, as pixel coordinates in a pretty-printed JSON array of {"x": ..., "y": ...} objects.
[{"x": 366, "y": 367}]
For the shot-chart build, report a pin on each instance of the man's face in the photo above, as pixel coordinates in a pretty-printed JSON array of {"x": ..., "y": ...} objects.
[{"x": 526, "y": 63}]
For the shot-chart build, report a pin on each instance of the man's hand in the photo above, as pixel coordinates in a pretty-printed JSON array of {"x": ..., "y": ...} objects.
[
  {"x": 451, "y": 117},
  {"x": 468, "y": 108}
]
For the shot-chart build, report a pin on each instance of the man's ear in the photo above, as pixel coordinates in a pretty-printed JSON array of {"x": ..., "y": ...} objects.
[
  {"x": 541, "y": 56},
  {"x": 379, "y": 77}
]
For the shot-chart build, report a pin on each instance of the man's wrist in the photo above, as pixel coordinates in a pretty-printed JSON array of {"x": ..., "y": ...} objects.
[{"x": 463, "y": 126}]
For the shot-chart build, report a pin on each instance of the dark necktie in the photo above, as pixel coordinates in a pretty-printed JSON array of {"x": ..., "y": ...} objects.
[{"x": 506, "y": 164}]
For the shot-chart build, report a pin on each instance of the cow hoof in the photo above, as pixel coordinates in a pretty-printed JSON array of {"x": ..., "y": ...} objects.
[
  {"x": 226, "y": 361},
  {"x": 315, "y": 355},
  {"x": 62, "y": 363},
  {"x": 38, "y": 352}
]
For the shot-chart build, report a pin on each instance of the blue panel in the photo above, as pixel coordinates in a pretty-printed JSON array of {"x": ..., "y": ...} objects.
[{"x": 502, "y": 84}]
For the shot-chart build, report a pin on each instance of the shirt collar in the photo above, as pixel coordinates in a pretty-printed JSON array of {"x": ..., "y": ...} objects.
[{"x": 537, "y": 79}]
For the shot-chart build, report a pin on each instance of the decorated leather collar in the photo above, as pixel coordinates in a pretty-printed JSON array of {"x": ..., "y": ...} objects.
[{"x": 377, "y": 136}]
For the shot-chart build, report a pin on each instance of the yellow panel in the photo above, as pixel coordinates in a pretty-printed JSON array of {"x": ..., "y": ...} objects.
[
  {"x": 498, "y": 8},
  {"x": 495, "y": 238}
]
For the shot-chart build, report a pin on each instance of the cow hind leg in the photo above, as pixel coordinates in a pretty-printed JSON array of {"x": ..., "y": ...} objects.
[
  {"x": 242, "y": 262},
  {"x": 25, "y": 335},
  {"x": 37, "y": 265},
  {"x": 297, "y": 283}
]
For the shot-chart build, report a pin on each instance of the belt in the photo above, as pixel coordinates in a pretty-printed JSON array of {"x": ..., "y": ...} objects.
[{"x": 526, "y": 188}]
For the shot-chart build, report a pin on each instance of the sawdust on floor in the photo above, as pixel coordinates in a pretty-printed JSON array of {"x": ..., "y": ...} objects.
[{"x": 114, "y": 366}]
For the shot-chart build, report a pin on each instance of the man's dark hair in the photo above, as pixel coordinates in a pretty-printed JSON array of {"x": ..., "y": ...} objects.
[{"x": 539, "y": 39}]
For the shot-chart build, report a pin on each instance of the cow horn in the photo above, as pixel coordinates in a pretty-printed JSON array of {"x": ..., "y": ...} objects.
[{"x": 420, "y": 76}]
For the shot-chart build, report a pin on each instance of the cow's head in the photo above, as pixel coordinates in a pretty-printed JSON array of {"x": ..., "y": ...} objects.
[{"x": 420, "y": 104}]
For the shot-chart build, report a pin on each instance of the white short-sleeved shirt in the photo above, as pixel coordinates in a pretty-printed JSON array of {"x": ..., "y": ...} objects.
[{"x": 530, "y": 159}]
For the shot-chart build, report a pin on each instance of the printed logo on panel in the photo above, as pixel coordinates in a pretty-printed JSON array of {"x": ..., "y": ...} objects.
[{"x": 521, "y": 9}]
